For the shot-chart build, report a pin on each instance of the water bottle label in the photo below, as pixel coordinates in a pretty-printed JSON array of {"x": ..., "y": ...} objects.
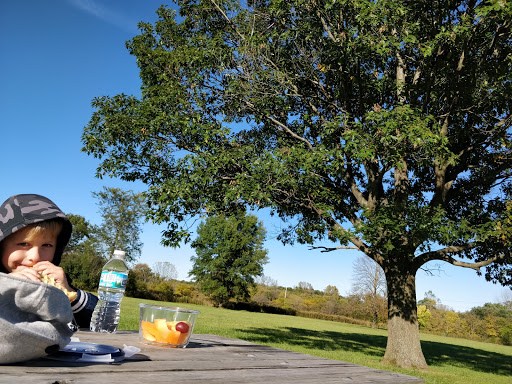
[{"x": 113, "y": 279}]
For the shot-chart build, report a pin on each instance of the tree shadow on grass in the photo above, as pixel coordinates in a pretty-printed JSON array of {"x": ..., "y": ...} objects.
[
  {"x": 374, "y": 345},
  {"x": 436, "y": 354},
  {"x": 441, "y": 354}
]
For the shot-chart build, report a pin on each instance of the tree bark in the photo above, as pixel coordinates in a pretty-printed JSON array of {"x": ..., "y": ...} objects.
[{"x": 403, "y": 346}]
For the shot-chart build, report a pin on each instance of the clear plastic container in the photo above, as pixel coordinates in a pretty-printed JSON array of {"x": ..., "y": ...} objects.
[{"x": 166, "y": 326}]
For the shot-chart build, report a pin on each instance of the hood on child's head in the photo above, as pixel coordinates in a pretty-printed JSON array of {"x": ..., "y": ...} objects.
[{"x": 18, "y": 211}]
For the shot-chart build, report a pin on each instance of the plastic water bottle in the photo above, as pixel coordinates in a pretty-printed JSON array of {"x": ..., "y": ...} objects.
[{"x": 114, "y": 276}]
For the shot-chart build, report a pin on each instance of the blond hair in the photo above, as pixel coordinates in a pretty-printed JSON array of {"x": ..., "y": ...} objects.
[{"x": 50, "y": 227}]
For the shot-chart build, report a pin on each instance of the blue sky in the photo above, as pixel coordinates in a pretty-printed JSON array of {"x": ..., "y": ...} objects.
[{"x": 56, "y": 56}]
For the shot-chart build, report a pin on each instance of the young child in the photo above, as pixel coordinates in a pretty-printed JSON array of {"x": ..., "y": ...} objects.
[{"x": 33, "y": 235}]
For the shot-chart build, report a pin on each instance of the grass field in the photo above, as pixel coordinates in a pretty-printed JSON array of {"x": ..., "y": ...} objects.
[{"x": 450, "y": 360}]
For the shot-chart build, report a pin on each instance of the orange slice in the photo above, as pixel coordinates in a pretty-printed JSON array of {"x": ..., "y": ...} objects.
[
  {"x": 148, "y": 336},
  {"x": 149, "y": 328}
]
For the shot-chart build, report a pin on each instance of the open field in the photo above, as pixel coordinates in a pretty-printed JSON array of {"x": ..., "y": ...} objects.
[{"x": 451, "y": 360}]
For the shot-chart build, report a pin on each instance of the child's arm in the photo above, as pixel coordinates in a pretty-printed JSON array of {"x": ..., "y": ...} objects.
[{"x": 83, "y": 308}]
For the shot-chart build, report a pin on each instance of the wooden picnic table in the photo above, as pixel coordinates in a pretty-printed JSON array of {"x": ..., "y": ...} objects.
[{"x": 207, "y": 358}]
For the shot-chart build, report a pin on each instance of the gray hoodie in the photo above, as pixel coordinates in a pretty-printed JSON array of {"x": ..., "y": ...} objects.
[{"x": 35, "y": 319}]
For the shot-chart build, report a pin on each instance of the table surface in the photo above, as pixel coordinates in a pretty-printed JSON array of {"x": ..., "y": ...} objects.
[{"x": 207, "y": 358}]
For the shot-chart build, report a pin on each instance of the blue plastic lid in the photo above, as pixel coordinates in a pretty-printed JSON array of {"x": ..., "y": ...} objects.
[{"x": 88, "y": 353}]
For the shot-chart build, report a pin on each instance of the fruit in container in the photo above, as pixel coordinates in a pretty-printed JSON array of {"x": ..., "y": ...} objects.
[{"x": 163, "y": 331}]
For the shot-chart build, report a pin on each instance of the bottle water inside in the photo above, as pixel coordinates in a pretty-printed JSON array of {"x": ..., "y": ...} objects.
[{"x": 114, "y": 276}]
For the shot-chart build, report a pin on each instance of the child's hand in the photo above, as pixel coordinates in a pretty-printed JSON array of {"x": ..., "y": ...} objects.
[
  {"x": 57, "y": 273},
  {"x": 27, "y": 273}
]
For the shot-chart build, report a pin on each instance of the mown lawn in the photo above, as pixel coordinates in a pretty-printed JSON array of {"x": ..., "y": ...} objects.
[{"x": 450, "y": 360}]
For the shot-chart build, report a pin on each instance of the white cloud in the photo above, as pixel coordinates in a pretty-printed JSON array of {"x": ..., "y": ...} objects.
[{"x": 106, "y": 14}]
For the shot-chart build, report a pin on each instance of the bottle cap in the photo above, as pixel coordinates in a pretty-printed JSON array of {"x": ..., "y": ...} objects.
[{"x": 119, "y": 254}]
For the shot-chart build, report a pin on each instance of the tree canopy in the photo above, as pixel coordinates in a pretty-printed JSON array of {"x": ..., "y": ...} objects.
[
  {"x": 229, "y": 255},
  {"x": 379, "y": 125},
  {"x": 122, "y": 213}
]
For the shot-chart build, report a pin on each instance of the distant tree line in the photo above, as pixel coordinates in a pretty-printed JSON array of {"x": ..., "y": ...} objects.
[{"x": 491, "y": 322}]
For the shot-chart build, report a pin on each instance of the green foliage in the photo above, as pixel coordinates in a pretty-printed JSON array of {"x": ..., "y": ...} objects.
[
  {"x": 506, "y": 333},
  {"x": 138, "y": 280},
  {"x": 430, "y": 301},
  {"x": 145, "y": 283},
  {"x": 83, "y": 233},
  {"x": 452, "y": 322},
  {"x": 393, "y": 120},
  {"x": 495, "y": 309},
  {"x": 83, "y": 268},
  {"x": 423, "y": 316},
  {"x": 184, "y": 290},
  {"x": 332, "y": 290},
  {"x": 122, "y": 213},
  {"x": 81, "y": 259},
  {"x": 91, "y": 246},
  {"x": 229, "y": 255}
]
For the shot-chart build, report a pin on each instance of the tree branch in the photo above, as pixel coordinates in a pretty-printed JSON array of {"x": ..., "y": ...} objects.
[
  {"x": 298, "y": 93},
  {"x": 400, "y": 78},
  {"x": 445, "y": 255},
  {"x": 291, "y": 133},
  {"x": 478, "y": 265},
  {"x": 330, "y": 249},
  {"x": 228, "y": 20},
  {"x": 442, "y": 254},
  {"x": 351, "y": 182},
  {"x": 288, "y": 130},
  {"x": 326, "y": 28},
  {"x": 507, "y": 121}
]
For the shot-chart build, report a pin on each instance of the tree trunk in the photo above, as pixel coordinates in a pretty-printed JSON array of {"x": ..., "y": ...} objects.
[{"x": 403, "y": 347}]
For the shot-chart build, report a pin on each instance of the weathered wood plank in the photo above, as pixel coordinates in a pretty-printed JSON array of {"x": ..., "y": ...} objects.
[
  {"x": 240, "y": 376},
  {"x": 209, "y": 358}
]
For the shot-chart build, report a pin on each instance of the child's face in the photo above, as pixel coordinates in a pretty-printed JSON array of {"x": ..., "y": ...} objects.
[{"x": 20, "y": 250}]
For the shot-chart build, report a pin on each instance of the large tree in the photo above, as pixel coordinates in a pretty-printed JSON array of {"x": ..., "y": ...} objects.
[
  {"x": 229, "y": 256},
  {"x": 122, "y": 214},
  {"x": 382, "y": 125}
]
